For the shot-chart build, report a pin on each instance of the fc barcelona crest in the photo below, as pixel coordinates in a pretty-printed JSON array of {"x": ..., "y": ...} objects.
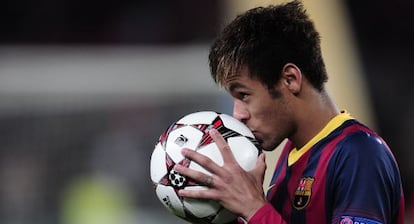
[{"x": 303, "y": 193}]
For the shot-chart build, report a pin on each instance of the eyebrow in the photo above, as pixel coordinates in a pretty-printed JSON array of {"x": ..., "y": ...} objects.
[{"x": 236, "y": 85}]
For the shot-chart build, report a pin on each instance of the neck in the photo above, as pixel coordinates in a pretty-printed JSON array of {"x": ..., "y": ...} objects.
[{"x": 319, "y": 110}]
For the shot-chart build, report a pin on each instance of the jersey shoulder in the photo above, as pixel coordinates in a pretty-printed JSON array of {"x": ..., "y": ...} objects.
[{"x": 358, "y": 141}]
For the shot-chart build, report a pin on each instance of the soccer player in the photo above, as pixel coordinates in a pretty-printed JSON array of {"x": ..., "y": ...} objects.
[{"x": 333, "y": 169}]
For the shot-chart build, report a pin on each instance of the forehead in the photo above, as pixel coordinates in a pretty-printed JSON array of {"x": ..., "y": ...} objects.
[
  {"x": 233, "y": 82},
  {"x": 236, "y": 80},
  {"x": 241, "y": 82}
]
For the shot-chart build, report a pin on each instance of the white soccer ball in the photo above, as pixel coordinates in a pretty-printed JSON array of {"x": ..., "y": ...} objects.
[{"x": 191, "y": 132}]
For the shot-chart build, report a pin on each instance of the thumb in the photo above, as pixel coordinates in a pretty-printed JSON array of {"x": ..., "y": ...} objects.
[{"x": 259, "y": 171}]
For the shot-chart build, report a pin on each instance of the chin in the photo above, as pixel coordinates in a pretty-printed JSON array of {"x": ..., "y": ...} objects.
[
  {"x": 271, "y": 146},
  {"x": 267, "y": 147}
]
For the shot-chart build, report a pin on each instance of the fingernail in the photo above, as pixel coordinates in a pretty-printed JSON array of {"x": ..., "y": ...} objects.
[
  {"x": 180, "y": 193},
  {"x": 184, "y": 151},
  {"x": 213, "y": 132},
  {"x": 177, "y": 167}
]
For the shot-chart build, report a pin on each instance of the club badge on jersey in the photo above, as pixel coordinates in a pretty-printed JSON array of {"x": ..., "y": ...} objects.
[{"x": 303, "y": 193}]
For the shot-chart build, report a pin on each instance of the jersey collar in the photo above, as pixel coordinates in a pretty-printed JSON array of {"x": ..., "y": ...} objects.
[{"x": 334, "y": 123}]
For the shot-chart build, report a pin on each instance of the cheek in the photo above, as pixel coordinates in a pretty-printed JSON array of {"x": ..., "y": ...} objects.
[
  {"x": 277, "y": 124},
  {"x": 275, "y": 131}
]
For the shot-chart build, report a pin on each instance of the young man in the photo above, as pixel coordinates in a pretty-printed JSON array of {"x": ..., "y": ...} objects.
[{"x": 333, "y": 169}]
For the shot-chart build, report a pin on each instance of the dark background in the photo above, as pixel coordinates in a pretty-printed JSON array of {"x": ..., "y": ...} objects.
[{"x": 385, "y": 35}]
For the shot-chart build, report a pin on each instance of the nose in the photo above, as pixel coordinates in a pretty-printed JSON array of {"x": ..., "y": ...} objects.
[{"x": 240, "y": 111}]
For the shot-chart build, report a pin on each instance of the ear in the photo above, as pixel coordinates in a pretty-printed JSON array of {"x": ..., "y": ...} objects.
[{"x": 292, "y": 78}]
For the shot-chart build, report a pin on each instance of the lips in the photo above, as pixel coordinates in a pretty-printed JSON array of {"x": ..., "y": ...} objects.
[{"x": 257, "y": 136}]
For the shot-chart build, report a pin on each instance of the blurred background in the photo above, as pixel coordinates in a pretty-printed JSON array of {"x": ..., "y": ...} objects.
[{"x": 86, "y": 88}]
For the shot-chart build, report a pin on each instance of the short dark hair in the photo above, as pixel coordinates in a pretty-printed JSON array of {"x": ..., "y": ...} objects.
[{"x": 264, "y": 39}]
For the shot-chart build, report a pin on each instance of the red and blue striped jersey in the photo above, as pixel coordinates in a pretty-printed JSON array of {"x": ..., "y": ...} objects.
[{"x": 345, "y": 174}]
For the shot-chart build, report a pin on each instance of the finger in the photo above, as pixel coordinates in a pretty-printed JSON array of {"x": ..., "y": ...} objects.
[
  {"x": 197, "y": 176},
  {"x": 208, "y": 181},
  {"x": 261, "y": 162},
  {"x": 202, "y": 160},
  {"x": 223, "y": 147},
  {"x": 200, "y": 194}
]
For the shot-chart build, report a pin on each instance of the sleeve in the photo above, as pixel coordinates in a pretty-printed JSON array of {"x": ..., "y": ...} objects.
[
  {"x": 366, "y": 182},
  {"x": 266, "y": 215}
]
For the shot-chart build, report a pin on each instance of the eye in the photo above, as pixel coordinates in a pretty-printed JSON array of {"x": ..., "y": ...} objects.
[{"x": 242, "y": 95}]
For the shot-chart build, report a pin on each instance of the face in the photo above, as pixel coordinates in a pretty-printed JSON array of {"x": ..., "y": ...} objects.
[{"x": 269, "y": 117}]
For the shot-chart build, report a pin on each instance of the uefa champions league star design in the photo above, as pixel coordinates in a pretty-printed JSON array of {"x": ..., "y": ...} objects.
[
  {"x": 219, "y": 126},
  {"x": 172, "y": 178}
]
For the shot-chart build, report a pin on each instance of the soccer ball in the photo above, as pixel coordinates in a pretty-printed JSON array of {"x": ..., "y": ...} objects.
[{"x": 191, "y": 131}]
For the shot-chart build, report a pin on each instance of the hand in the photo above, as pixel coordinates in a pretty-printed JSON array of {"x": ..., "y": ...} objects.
[{"x": 236, "y": 189}]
